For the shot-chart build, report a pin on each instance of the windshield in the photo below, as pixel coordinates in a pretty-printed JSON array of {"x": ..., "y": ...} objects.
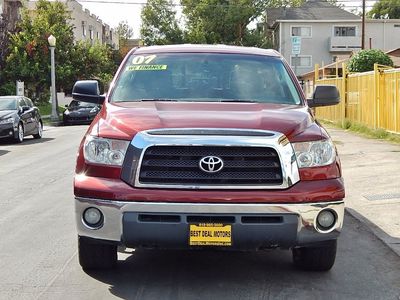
[
  {"x": 8, "y": 104},
  {"x": 205, "y": 77},
  {"x": 79, "y": 104}
]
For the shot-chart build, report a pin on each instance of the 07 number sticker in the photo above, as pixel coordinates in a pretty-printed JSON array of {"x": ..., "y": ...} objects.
[{"x": 141, "y": 59}]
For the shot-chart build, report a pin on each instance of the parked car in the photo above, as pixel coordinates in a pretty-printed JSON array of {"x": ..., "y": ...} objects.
[
  {"x": 79, "y": 112},
  {"x": 207, "y": 146},
  {"x": 19, "y": 118}
]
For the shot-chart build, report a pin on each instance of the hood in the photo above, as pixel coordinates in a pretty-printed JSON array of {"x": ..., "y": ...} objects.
[
  {"x": 124, "y": 120},
  {"x": 4, "y": 114}
]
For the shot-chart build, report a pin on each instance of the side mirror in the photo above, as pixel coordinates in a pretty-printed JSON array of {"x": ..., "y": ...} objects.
[
  {"x": 87, "y": 91},
  {"x": 324, "y": 95},
  {"x": 25, "y": 108}
]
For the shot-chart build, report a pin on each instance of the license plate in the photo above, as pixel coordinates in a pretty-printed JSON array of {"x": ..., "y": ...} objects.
[{"x": 210, "y": 234}]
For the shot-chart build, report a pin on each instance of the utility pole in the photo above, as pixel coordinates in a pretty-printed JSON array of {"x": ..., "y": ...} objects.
[{"x": 363, "y": 26}]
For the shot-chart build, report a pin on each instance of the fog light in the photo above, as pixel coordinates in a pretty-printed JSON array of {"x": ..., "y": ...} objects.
[
  {"x": 93, "y": 217},
  {"x": 326, "y": 219}
]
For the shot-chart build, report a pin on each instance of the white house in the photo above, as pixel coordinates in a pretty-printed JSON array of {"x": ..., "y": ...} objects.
[{"x": 327, "y": 33}]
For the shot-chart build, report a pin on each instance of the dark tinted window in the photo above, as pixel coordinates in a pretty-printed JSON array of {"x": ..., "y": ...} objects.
[
  {"x": 21, "y": 102},
  {"x": 29, "y": 102},
  {"x": 205, "y": 77}
]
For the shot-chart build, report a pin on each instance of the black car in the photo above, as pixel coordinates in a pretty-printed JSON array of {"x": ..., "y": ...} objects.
[
  {"x": 79, "y": 112},
  {"x": 19, "y": 118}
]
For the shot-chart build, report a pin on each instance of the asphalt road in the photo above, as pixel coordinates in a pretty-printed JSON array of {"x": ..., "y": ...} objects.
[{"x": 38, "y": 248}]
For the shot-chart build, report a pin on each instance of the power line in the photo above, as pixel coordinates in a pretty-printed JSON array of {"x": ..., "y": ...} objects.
[{"x": 209, "y": 5}]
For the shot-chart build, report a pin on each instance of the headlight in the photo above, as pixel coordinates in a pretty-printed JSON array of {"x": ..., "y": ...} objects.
[
  {"x": 6, "y": 121},
  {"x": 105, "y": 151},
  {"x": 94, "y": 110},
  {"x": 314, "y": 154}
]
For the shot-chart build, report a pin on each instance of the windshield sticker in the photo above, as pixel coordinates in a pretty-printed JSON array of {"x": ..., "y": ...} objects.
[
  {"x": 147, "y": 68},
  {"x": 141, "y": 59}
]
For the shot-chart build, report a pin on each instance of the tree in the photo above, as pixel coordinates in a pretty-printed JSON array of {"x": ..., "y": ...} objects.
[
  {"x": 226, "y": 21},
  {"x": 125, "y": 32},
  {"x": 29, "y": 58},
  {"x": 93, "y": 62},
  {"x": 159, "y": 24},
  {"x": 364, "y": 60},
  {"x": 381, "y": 8}
]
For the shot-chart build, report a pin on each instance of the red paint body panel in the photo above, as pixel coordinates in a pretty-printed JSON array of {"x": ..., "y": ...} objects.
[
  {"x": 303, "y": 191},
  {"x": 124, "y": 119}
]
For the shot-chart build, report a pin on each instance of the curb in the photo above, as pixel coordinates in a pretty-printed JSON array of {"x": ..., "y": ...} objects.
[{"x": 379, "y": 233}]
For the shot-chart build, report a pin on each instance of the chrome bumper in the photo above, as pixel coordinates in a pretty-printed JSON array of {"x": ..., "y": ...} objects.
[{"x": 113, "y": 211}]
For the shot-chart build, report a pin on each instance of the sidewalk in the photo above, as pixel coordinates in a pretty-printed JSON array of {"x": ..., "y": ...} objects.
[{"x": 371, "y": 171}]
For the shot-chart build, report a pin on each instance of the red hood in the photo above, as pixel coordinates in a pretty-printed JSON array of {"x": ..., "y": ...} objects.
[{"x": 124, "y": 120}]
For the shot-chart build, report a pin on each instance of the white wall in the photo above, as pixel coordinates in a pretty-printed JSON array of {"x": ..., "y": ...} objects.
[{"x": 384, "y": 34}]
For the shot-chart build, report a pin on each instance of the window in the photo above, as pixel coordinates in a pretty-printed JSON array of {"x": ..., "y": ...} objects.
[
  {"x": 303, "y": 31},
  {"x": 91, "y": 34},
  {"x": 83, "y": 30},
  {"x": 300, "y": 61},
  {"x": 206, "y": 77},
  {"x": 21, "y": 102},
  {"x": 98, "y": 35},
  {"x": 29, "y": 102},
  {"x": 344, "y": 30}
]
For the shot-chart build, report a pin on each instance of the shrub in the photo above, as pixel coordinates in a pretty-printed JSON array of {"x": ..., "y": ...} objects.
[{"x": 364, "y": 60}]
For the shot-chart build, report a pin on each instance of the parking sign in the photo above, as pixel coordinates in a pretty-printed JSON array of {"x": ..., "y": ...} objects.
[{"x": 296, "y": 45}]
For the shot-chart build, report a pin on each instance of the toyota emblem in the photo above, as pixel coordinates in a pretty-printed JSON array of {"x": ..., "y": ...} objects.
[{"x": 211, "y": 164}]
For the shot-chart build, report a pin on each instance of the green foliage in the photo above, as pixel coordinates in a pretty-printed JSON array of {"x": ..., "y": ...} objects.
[
  {"x": 29, "y": 54},
  {"x": 125, "y": 32},
  {"x": 364, "y": 60},
  {"x": 207, "y": 21},
  {"x": 8, "y": 88},
  {"x": 159, "y": 24},
  {"x": 382, "y": 8},
  {"x": 364, "y": 130},
  {"x": 226, "y": 22},
  {"x": 29, "y": 58}
]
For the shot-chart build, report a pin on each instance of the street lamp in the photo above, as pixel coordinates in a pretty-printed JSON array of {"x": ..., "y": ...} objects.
[{"x": 54, "y": 114}]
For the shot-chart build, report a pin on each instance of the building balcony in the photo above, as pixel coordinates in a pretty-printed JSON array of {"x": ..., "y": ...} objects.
[{"x": 344, "y": 43}]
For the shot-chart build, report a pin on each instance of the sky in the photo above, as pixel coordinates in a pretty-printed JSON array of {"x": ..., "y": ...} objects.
[{"x": 114, "y": 11}]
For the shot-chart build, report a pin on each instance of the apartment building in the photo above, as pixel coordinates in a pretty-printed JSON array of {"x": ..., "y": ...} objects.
[
  {"x": 87, "y": 26},
  {"x": 327, "y": 33}
]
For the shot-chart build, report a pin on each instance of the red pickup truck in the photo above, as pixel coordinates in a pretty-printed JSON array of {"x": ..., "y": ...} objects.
[{"x": 200, "y": 146}]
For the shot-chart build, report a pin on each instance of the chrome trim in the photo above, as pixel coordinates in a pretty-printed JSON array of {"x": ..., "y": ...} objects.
[
  {"x": 270, "y": 139},
  {"x": 307, "y": 231}
]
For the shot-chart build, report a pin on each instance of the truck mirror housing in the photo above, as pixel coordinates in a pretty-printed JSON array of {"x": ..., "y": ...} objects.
[
  {"x": 87, "y": 91},
  {"x": 324, "y": 95}
]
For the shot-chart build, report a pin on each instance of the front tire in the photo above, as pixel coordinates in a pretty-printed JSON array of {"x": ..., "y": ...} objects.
[
  {"x": 315, "y": 258},
  {"x": 20, "y": 134},
  {"x": 39, "y": 134},
  {"x": 94, "y": 255}
]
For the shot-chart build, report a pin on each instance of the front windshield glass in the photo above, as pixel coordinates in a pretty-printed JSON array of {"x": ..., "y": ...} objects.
[
  {"x": 8, "y": 104},
  {"x": 205, "y": 77}
]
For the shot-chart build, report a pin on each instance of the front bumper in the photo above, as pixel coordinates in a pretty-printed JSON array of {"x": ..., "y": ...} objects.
[
  {"x": 7, "y": 130},
  {"x": 166, "y": 225}
]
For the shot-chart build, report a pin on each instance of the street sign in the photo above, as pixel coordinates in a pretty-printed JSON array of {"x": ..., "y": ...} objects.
[
  {"x": 296, "y": 45},
  {"x": 20, "y": 88}
]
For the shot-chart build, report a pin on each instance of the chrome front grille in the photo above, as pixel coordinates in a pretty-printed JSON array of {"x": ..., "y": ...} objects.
[
  {"x": 170, "y": 159},
  {"x": 180, "y": 165}
]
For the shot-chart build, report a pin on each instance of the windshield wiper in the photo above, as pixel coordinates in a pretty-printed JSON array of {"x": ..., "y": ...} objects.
[
  {"x": 157, "y": 99},
  {"x": 239, "y": 100}
]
